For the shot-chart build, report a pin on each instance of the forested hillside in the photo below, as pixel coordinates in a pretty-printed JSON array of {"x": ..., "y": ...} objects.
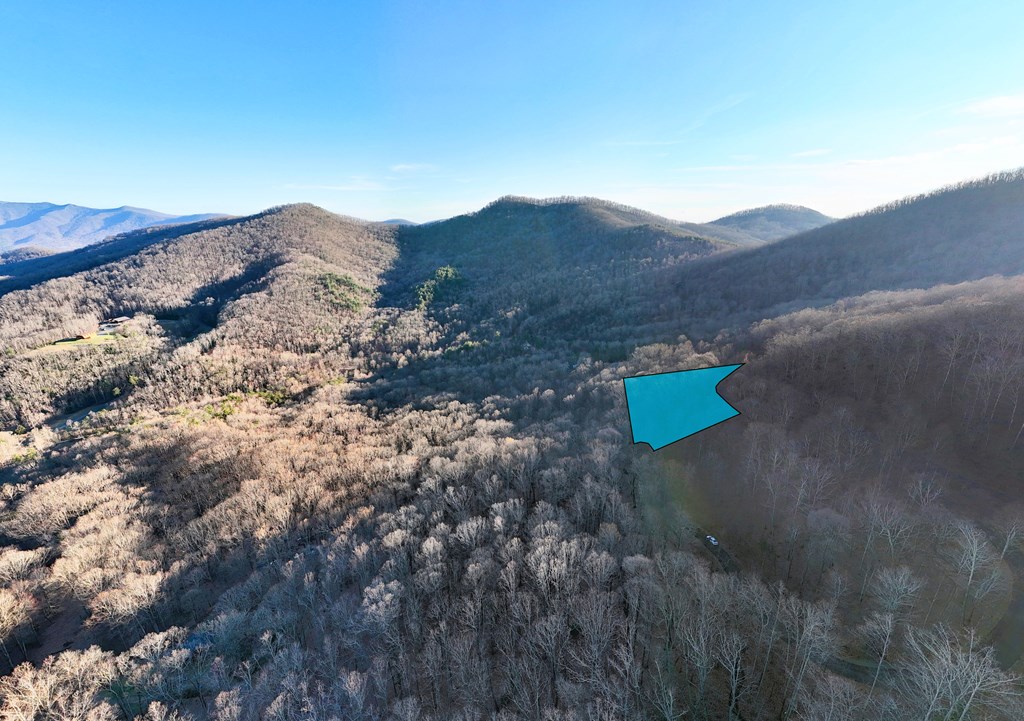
[
  {"x": 26, "y": 253},
  {"x": 960, "y": 233},
  {"x": 266, "y": 278},
  {"x": 773, "y": 222},
  {"x": 27, "y": 267},
  {"x": 344, "y": 470}
]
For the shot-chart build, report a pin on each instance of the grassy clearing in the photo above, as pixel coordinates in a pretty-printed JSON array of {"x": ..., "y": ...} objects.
[
  {"x": 94, "y": 339},
  {"x": 10, "y": 446},
  {"x": 685, "y": 492},
  {"x": 90, "y": 340}
]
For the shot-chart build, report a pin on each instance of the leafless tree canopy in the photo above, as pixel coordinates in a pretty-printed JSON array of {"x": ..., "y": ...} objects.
[{"x": 340, "y": 470}]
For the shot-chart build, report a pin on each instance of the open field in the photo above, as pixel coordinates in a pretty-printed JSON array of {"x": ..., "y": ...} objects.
[{"x": 92, "y": 339}]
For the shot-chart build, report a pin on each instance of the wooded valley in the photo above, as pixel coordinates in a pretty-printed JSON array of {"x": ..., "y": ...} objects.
[{"x": 332, "y": 469}]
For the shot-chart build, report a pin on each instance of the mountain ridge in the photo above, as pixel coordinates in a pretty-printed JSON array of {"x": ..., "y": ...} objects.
[
  {"x": 958, "y": 233},
  {"x": 62, "y": 227},
  {"x": 628, "y": 214}
]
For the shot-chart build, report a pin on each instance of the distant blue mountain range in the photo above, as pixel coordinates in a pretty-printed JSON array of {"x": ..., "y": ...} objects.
[{"x": 48, "y": 227}]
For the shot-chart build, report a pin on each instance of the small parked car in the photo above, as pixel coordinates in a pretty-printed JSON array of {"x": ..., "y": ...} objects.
[{"x": 712, "y": 540}]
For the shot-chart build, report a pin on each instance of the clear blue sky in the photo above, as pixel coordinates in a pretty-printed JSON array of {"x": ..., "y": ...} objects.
[{"x": 428, "y": 109}]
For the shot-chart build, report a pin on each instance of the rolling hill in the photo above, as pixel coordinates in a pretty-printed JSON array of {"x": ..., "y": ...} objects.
[
  {"x": 579, "y": 269},
  {"x": 180, "y": 268},
  {"x": 773, "y": 222},
  {"x": 65, "y": 227},
  {"x": 557, "y": 231}
]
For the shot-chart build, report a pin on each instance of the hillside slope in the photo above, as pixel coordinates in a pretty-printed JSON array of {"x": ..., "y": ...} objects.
[
  {"x": 66, "y": 227},
  {"x": 961, "y": 233},
  {"x": 190, "y": 290},
  {"x": 558, "y": 229},
  {"x": 23, "y": 269},
  {"x": 577, "y": 269}
]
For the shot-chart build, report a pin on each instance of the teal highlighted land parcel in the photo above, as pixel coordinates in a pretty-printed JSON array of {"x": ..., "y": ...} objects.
[{"x": 667, "y": 407}]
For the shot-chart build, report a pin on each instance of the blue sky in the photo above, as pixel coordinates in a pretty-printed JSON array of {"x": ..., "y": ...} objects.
[{"x": 426, "y": 110}]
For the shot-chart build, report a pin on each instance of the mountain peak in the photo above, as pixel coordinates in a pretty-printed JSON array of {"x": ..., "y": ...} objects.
[
  {"x": 773, "y": 222},
  {"x": 771, "y": 208}
]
